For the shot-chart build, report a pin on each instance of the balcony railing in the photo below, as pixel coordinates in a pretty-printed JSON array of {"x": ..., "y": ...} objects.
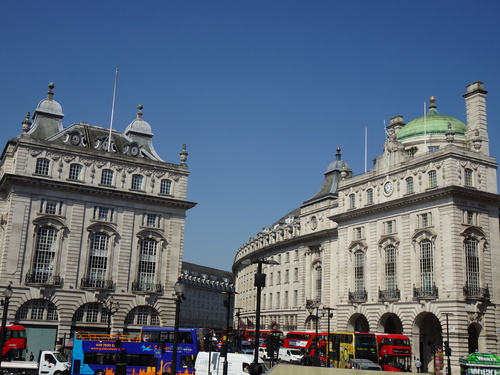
[
  {"x": 97, "y": 284},
  {"x": 43, "y": 279},
  {"x": 389, "y": 294},
  {"x": 146, "y": 287},
  {"x": 358, "y": 296},
  {"x": 475, "y": 292},
  {"x": 427, "y": 292}
]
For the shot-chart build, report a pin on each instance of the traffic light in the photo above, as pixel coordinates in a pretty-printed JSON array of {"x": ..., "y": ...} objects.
[
  {"x": 207, "y": 342},
  {"x": 447, "y": 349},
  {"x": 270, "y": 346}
]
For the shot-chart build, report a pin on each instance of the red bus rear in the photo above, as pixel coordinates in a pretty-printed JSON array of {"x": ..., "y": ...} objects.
[
  {"x": 304, "y": 340},
  {"x": 15, "y": 343},
  {"x": 394, "y": 352}
]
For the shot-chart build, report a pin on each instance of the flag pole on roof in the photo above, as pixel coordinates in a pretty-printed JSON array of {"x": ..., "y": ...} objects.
[{"x": 112, "y": 111}]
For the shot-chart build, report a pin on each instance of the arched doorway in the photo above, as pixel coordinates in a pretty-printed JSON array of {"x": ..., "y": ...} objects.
[
  {"x": 358, "y": 323},
  {"x": 390, "y": 323},
  {"x": 427, "y": 338},
  {"x": 474, "y": 331}
]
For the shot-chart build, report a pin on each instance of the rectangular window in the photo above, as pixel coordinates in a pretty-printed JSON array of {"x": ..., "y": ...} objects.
[
  {"x": 43, "y": 265},
  {"x": 147, "y": 265},
  {"x": 51, "y": 207},
  {"x": 432, "y": 179},
  {"x": 390, "y": 268},
  {"x": 359, "y": 274},
  {"x": 287, "y": 276},
  {"x": 409, "y": 185},
  {"x": 424, "y": 220},
  {"x": 390, "y": 227},
  {"x": 433, "y": 148},
  {"x": 103, "y": 213},
  {"x": 295, "y": 298},
  {"x": 75, "y": 172},
  {"x": 278, "y": 278},
  {"x": 295, "y": 274},
  {"x": 470, "y": 217},
  {"x": 369, "y": 196},
  {"x": 468, "y": 177},
  {"x": 352, "y": 201},
  {"x": 151, "y": 220},
  {"x": 42, "y": 166},
  {"x": 98, "y": 260},
  {"x": 136, "y": 182},
  {"x": 107, "y": 177},
  {"x": 278, "y": 295},
  {"x": 285, "y": 299},
  {"x": 165, "y": 186},
  {"x": 359, "y": 233}
]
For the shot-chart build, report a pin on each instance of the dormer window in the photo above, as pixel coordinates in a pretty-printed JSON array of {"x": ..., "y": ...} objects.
[
  {"x": 137, "y": 182},
  {"x": 107, "y": 177},
  {"x": 42, "y": 166}
]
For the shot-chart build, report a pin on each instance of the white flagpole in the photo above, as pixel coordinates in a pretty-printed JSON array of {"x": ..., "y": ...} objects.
[
  {"x": 112, "y": 111},
  {"x": 425, "y": 127},
  {"x": 366, "y": 147}
]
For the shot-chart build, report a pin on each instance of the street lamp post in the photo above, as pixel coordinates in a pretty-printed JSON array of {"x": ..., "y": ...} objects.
[
  {"x": 112, "y": 308},
  {"x": 330, "y": 315},
  {"x": 179, "y": 289},
  {"x": 7, "y": 294},
  {"x": 311, "y": 306},
  {"x": 447, "y": 345},
  {"x": 228, "y": 327},
  {"x": 260, "y": 282},
  {"x": 238, "y": 326}
]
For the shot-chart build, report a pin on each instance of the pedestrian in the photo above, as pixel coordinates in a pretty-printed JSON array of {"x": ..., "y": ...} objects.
[
  {"x": 32, "y": 357},
  {"x": 418, "y": 365}
]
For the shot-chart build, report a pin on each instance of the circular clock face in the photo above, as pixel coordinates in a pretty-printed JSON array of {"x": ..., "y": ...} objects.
[
  {"x": 75, "y": 139},
  {"x": 388, "y": 187},
  {"x": 134, "y": 150}
]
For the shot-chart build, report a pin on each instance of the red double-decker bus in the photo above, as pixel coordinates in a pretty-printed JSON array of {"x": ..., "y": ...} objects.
[
  {"x": 304, "y": 340},
  {"x": 394, "y": 352},
  {"x": 15, "y": 343},
  {"x": 249, "y": 335}
]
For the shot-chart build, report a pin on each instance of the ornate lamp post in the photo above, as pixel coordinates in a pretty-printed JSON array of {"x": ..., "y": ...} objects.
[
  {"x": 179, "y": 289},
  {"x": 112, "y": 308},
  {"x": 7, "y": 294},
  {"x": 260, "y": 282},
  {"x": 311, "y": 306},
  {"x": 447, "y": 345}
]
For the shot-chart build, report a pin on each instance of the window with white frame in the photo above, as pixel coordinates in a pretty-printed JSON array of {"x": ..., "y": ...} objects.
[
  {"x": 107, "y": 177},
  {"x": 98, "y": 260},
  {"x": 424, "y": 220},
  {"x": 143, "y": 316},
  {"x": 359, "y": 273},
  {"x": 75, "y": 171},
  {"x": 45, "y": 254},
  {"x": 42, "y": 166},
  {"x": 166, "y": 186},
  {"x": 318, "y": 281},
  {"x": 409, "y": 185},
  {"x": 472, "y": 266},
  {"x": 93, "y": 312},
  {"x": 427, "y": 266},
  {"x": 37, "y": 309},
  {"x": 390, "y": 268},
  {"x": 352, "y": 200},
  {"x": 468, "y": 177},
  {"x": 146, "y": 276},
  {"x": 432, "y": 175},
  {"x": 151, "y": 220},
  {"x": 369, "y": 196},
  {"x": 470, "y": 217},
  {"x": 359, "y": 233},
  {"x": 137, "y": 180},
  {"x": 102, "y": 213},
  {"x": 390, "y": 227},
  {"x": 51, "y": 207}
]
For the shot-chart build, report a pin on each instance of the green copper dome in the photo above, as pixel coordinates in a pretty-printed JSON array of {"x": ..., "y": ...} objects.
[{"x": 432, "y": 124}]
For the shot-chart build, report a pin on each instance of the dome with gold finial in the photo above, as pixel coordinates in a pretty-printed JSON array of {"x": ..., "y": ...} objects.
[
  {"x": 49, "y": 105},
  {"x": 431, "y": 124}
]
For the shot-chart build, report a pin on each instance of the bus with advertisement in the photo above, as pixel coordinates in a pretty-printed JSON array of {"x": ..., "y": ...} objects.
[
  {"x": 15, "y": 343},
  {"x": 305, "y": 341},
  {"x": 394, "y": 352},
  {"x": 240, "y": 335},
  {"x": 345, "y": 346},
  {"x": 149, "y": 353}
]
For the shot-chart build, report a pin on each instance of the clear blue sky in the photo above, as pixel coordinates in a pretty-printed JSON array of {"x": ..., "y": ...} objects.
[{"x": 262, "y": 92}]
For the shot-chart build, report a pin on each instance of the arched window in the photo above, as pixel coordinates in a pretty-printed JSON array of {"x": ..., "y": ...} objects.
[
  {"x": 472, "y": 266},
  {"x": 409, "y": 185},
  {"x": 37, "y": 309},
  {"x": 91, "y": 313},
  {"x": 427, "y": 267},
  {"x": 143, "y": 316},
  {"x": 369, "y": 196}
]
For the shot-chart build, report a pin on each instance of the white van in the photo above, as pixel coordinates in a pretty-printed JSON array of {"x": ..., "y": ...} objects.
[
  {"x": 237, "y": 363},
  {"x": 289, "y": 355}
]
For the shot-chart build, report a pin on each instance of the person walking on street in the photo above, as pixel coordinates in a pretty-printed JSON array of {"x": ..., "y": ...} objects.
[{"x": 418, "y": 365}]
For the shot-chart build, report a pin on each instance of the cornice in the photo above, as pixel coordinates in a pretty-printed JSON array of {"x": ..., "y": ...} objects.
[{"x": 413, "y": 199}]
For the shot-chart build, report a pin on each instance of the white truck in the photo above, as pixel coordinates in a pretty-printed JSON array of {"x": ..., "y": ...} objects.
[
  {"x": 237, "y": 364},
  {"x": 49, "y": 363},
  {"x": 289, "y": 355}
]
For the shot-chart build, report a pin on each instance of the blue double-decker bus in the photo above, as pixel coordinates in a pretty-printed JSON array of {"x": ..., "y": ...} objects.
[{"x": 149, "y": 353}]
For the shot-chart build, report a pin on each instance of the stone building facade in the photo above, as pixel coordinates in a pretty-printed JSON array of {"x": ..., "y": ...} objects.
[
  {"x": 92, "y": 227},
  {"x": 410, "y": 247}
]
